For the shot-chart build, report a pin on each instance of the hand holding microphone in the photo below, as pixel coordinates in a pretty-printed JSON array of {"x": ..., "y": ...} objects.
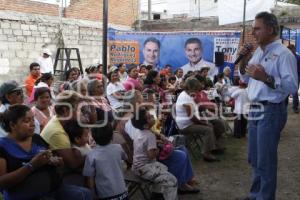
[{"x": 245, "y": 51}]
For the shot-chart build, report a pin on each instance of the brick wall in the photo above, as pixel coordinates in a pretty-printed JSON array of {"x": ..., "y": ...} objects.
[
  {"x": 27, "y": 6},
  {"x": 22, "y": 37},
  {"x": 122, "y": 12}
]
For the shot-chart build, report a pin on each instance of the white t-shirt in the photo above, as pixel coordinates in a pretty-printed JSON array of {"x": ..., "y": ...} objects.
[
  {"x": 3, "y": 108},
  {"x": 219, "y": 90},
  {"x": 46, "y": 64},
  {"x": 182, "y": 119},
  {"x": 84, "y": 150},
  {"x": 141, "y": 145},
  {"x": 241, "y": 104},
  {"x": 111, "y": 89},
  {"x": 123, "y": 77},
  {"x": 131, "y": 130},
  {"x": 213, "y": 70}
]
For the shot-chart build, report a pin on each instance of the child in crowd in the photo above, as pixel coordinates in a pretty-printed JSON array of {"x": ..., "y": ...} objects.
[
  {"x": 219, "y": 83},
  {"x": 241, "y": 109},
  {"x": 79, "y": 136},
  {"x": 144, "y": 157},
  {"x": 172, "y": 83},
  {"x": 142, "y": 72},
  {"x": 103, "y": 166},
  {"x": 91, "y": 72}
]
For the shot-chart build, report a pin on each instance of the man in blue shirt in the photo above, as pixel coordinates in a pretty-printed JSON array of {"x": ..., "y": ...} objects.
[
  {"x": 271, "y": 74},
  {"x": 295, "y": 95}
]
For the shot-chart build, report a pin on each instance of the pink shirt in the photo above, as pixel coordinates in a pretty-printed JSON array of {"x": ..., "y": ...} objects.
[
  {"x": 101, "y": 103},
  {"x": 41, "y": 117},
  {"x": 131, "y": 83}
]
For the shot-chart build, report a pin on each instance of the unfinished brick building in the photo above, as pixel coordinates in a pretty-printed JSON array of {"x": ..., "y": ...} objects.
[{"x": 26, "y": 26}]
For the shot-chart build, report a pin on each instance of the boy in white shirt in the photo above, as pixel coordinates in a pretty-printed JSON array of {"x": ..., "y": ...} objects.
[{"x": 241, "y": 109}]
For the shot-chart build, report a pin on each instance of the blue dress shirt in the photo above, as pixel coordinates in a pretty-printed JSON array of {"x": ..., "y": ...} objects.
[{"x": 279, "y": 62}]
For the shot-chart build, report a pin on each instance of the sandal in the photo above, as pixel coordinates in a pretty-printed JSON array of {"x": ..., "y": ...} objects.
[
  {"x": 210, "y": 158},
  {"x": 191, "y": 191}
]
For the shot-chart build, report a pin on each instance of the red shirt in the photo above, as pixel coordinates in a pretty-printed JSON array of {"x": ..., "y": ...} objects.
[{"x": 201, "y": 97}]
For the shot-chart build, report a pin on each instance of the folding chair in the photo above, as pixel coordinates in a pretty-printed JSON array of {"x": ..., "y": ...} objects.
[
  {"x": 135, "y": 184},
  {"x": 227, "y": 116},
  {"x": 228, "y": 129},
  {"x": 193, "y": 142}
]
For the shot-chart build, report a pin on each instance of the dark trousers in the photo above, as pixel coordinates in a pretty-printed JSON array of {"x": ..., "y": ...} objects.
[
  {"x": 296, "y": 99},
  {"x": 240, "y": 126}
]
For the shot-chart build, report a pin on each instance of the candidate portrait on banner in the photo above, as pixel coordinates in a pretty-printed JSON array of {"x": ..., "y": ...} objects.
[
  {"x": 151, "y": 52},
  {"x": 194, "y": 50},
  {"x": 189, "y": 50}
]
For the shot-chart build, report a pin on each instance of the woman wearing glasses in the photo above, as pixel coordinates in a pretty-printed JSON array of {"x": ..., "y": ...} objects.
[{"x": 11, "y": 94}]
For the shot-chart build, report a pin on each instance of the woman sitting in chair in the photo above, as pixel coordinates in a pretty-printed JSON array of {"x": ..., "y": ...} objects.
[
  {"x": 188, "y": 118},
  {"x": 28, "y": 170}
]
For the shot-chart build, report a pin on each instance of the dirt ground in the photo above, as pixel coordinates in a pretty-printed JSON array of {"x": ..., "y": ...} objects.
[{"x": 231, "y": 177}]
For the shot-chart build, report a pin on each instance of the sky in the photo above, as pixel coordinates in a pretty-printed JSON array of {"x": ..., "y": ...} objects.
[
  {"x": 190, "y": 7},
  {"x": 62, "y": 2}
]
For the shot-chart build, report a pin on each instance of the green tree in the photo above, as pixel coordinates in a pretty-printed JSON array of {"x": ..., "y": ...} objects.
[{"x": 291, "y": 1}]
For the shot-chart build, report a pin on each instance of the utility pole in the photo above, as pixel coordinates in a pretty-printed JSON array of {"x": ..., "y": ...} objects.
[
  {"x": 139, "y": 14},
  {"x": 199, "y": 8},
  {"x": 244, "y": 21},
  {"x": 104, "y": 39},
  {"x": 149, "y": 10}
]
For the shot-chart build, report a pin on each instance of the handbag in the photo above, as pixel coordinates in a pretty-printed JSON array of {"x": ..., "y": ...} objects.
[
  {"x": 178, "y": 140},
  {"x": 166, "y": 150}
]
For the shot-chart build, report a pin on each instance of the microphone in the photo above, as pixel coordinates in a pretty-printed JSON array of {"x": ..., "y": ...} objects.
[{"x": 248, "y": 47}]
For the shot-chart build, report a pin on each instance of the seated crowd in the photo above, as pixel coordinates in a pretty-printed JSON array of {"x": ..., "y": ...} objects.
[{"x": 88, "y": 125}]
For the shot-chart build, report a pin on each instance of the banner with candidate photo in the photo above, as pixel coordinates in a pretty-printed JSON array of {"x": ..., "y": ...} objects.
[
  {"x": 164, "y": 48},
  {"x": 291, "y": 36}
]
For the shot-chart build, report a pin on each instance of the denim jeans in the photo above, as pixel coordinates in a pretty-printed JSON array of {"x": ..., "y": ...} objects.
[
  {"x": 179, "y": 164},
  {"x": 264, "y": 135},
  {"x": 72, "y": 192}
]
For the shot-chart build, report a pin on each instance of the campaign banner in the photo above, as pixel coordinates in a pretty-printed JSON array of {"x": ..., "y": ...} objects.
[
  {"x": 172, "y": 48},
  {"x": 298, "y": 41},
  {"x": 123, "y": 52},
  {"x": 229, "y": 46},
  {"x": 289, "y": 34}
]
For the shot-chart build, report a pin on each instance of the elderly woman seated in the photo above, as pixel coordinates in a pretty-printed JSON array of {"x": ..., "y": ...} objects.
[
  {"x": 188, "y": 118},
  {"x": 115, "y": 90},
  {"x": 96, "y": 93}
]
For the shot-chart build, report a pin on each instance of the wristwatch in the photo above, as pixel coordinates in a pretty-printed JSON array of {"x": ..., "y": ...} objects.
[
  {"x": 270, "y": 81},
  {"x": 28, "y": 166}
]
